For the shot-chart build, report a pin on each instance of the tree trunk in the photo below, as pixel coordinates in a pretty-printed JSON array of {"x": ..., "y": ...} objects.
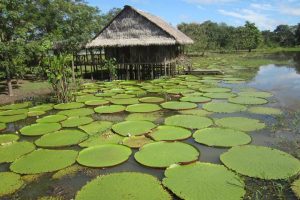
[
  {"x": 249, "y": 50},
  {"x": 8, "y": 81}
]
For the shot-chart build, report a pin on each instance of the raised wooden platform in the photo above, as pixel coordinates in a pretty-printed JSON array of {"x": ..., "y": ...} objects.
[{"x": 204, "y": 72}]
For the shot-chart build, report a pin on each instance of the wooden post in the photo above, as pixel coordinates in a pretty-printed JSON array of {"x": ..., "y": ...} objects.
[
  {"x": 73, "y": 71},
  {"x": 165, "y": 66}
]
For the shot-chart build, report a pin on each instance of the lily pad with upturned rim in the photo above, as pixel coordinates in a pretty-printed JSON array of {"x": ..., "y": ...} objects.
[
  {"x": 204, "y": 181},
  {"x": 13, "y": 112},
  {"x": 7, "y": 138},
  {"x": 189, "y": 121},
  {"x": 43, "y": 107},
  {"x": 245, "y": 100},
  {"x": 170, "y": 133},
  {"x": 240, "y": 123},
  {"x": 265, "y": 110},
  {"x": 195, "y": 99},
  {"x": 221, "y": 137},
  {"x": 12, "y": 118},
  {"x": 40, "y": 129},
  {"x": 151, "y": 100},
  {"x": 223, "y": 107},
  {"x": 105, "y": 138},
  {"x": 10, "y": 183},
  {"x": 106, "y": 155},
  {"x": 215, "y": 90},
  {"x": 110, "y": 109},
  {"x": 296, "y": 188},
  {"x": 198, "y": 112},
  {"x": 68, "y": 106},
  {"x": 44, "y": 160},
  {"x": 143, "y": 108},
  {"x": 80, "y": 112},
  {"x": 35, "y": 113},
  {"x": 15, "y": 106},
  {"x": 10, "y": 152},
  {"x": 76, "y": 121},
  {"x": 219, "y": 95},
  {"x": 177, "y": 105},
  {"x": 144, "y": 116},
  {"x": 257, "y": 94},
  {"x": 130, "y": 128},
  {"x": 127, "y": 101},
  {"x": 163, "y": 154},
  {"x": 261, "y": 162},
  {"x": 123, "y": 186},
  {"x": 97, "y": 102},
  {"x": 136, "y": 141},
  {"x": 52, "y": 119},
  {"x": 2, "y": 126},
  {"x": 96, "y": 127}
]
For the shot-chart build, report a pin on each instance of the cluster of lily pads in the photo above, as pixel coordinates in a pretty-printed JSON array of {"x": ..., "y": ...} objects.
[{"x": 159, "y": 115}]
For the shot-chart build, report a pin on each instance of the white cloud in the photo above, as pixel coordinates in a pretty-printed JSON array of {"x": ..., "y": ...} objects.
[
  {"x": 209, "y": 1},
  {"x": 294, "y": 11},
  {"x": 263, "y": 6}
]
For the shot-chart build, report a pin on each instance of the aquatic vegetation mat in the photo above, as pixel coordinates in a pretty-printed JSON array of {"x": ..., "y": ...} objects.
[
  {"x": 223, "y": 107},
  {"x": 189, "y": 121},
  {"x": 136, "y": 141},
  {"x": 296, "y": 188},
  {"x": 80, "y": 112},
  {"x": 129, "y": 128},
  {"x": 204, "y": 181},
  {"x": 40, "y": 129},
  {"x": 38, "y": 161},
  {"x": 10, "y": 183},
  {"x": 127, "y": 101},
  {"x": 10, "y": 152},
  {"x": 198, "y": 112},
  {"x": 35, "y": 113},
  {"x": 96, "y": 127},
  {"x": 240, "y": 123},
  {"x": 247, "y": 100},
  {"x": 170, "y": 133},
  {"x": 124, "y": 186},
  {"x": 221, "y": 137},
  {"x": 163, "y": 154},
  {"x": 15, "y": 106},
  {"x": 2, "y": 126},
  {"x": 8, "y": 138},
  {"x": 177, "y": 105},
  {"x": 106, "y": 155},
  {"x": 265, "y": 110},
  {"x": 151, "y": 100},
  {"x": 98, "y": 102},
  {"x": 143, "y": 108},
  {"x": 67, "y": 106},
  {"x": 261, "y": 162},
  {"x": 144, "y": 116},
  {"x": 61, "y": 138},
  {"x": 76, "y": 121},
  {"x": 195, "y": 99},
  {"x": 12, "y": 118},
  {"x": 43, "y": 107},
  {"x": 219, "y": 95},
  {"x": 52, "y": 119},
  {"x": 13, "y": 112},
  {"x": 255, "y": 94},
  {"x": 105, "y": 138},
  {"x": 109, "y": 109},
  {"x": 215, "y": 90}
]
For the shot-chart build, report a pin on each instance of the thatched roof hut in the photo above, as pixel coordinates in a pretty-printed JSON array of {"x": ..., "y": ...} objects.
[{"x": 141, "y": 43}]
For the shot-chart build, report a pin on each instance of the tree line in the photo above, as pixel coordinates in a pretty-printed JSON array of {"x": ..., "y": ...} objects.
[{"x": 222, "y": 37}]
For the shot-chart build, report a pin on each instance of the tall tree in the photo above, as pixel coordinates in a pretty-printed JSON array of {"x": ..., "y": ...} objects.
[
  {"x": 284, "y": 35},
  {"x": 251, "y": 36}
]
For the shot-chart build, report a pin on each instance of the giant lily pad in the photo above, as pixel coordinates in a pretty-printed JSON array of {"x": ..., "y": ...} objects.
[
  {"x": 80, "y": 112},
  {"x": 204, "y": 181},
  {"x": 123, "y": 186},
  {"x": 109, "y": 109},
  {"x": 265, "y": 110},
  {"x": 2, "y": 126},
  {"x": 104, "y": 138},
  {"x": 144, "y": 116},
  {"x": 136, "y": 141},
  {"x": 40, "y": 129},
  {"x": 247, "y": 100},
  {"x": 13, "y": 112},
  {"x": 296, "y": 188},
  {"x": 8, "y": 138},
  {"x": 15, "y": 106},
  {"x": 170, "y": 133},
  {"x": 12, "y": 118},
  {"x": 143, "y": 108},
  {"x": 221, "y": 137},
  {"x": 240, "y": 123},
  {"x": 106, "y": 155},
  {"x": 261, "y": 162},
  {"x": 10, "y": 152},
  {"x": 10, "y": 183},
  {"x": 67, "y": 106},
  {"x": 43, "y": 107},
  {"x": 195, "y": 99},
  {"x": 36, "y": 113},
  {"x": 215, "y": 90},
  {"x": 76, "y": 121},
  {"x": 123, "y": 96},
  {"x": 219, "y": 95},
  {"x": 129, "y": 128},
  {"x": 163, "y": 154},
  {"x": 44, "y": 160},
  {"x": 222, "y": 107},
  {"x": 127, "y": 101},
  {"x": 96, "y": 127},
  {"x": 151, "y": 100},
  {"x": 198, "y": 112},
  {"x": 189, "y": 121},
  {"x": 52, "y": 119},
  {"x": 89, "y": 97},
  {"x": 61, "y": 138},
  {"x": 176, "y": 105},
  {"x": 99, "y": 102},
  {"x": 255, "y": 94}
]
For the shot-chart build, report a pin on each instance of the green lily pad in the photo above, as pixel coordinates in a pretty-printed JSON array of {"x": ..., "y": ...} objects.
[
  {"x": 130, "y": 128},
  {"x": 123, "y": 96},
  {"x": 163, "y": 154},
  {"x": 143, "y": 108},
  {"x": 110, "y": 109},
  {"x": 195, "y": 99},
  {"x": 52, "y": 119},
  {"x": 89, "y": 97},
  {"x": 76, "y": 121},
  {"x": 136, "y": 141},
  {"x": 61, "y": 138},
  {"x": 170, "y": 133},
  {"x": 179, "y": 91},
  {"x": 43, "y": 107},
  {"x": 10, "y": 152},
  {"x": 255, "y": 94},
  {"x": 96, "y": 127},
  {"x": 177, "y": 105},
  {"x": 219, "y": 95},
  {"x": 2, "y": 126},
  {"x": 221, "y": 137},
  {"x": 44, "y": 160},
  {"x": 106, "y": 94},
  {"x": 189, "y": 121},
  {"x": 13, "y": 112},
  {"x": 222, "y": 107},
  {"x": 35, "y": 113},
  {"x": 198, "y": 112},
  {"x": 247, "y": 100},
  {"x": 104, "y": 138},
  {"x": 240, "y": 123},
  {"x": 265, "y": 111},
  {"x": 123, "y": 186},
  {"x": 15, "y": 106},
  {"x": 67, "y": 106},
  {"x": 261, "y": 162},
  {"x": 8, "y": 138},
  {"x": 80, "y": 112},
  {"x": 106, "y": 155},
  {"x": 12, "y": 118},
  {"x": 40, "y": 129},
  {"x": 296, "y": 188},
  {"x": 215, "y": 90},
  {"x": 10, "y": 183},
  {"x": 127, "y": 101},
  {"x": 204, "y": 181},
  {"x": 151, "y": 100},
  {"x": 144, "y": 116},
  {"x": 99, "y": 102}
]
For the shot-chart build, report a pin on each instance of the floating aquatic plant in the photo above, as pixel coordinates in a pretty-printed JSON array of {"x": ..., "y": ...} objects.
[
  {"x": 144, "y": 116},
  {"x": 52, "y": 119},
  {"x": 10, "y": 183},
  {"x": 80, "y": 112},
  {"x": 176, "y": 105},
  {"x": 109, "y": 109},
  {"x": 96, "y": 127},
  {"x": 40, "y": 129},
  {"x": 195, "y": 99},
  {"x": 127, "y": 101},
  {"x": 240, "y": 123},
  {"x": 170, "y": 133},
  {"x": 76, "y": 121},
  {"x": 198, "y": 112},
  {"x": 13, "y": 112},
  {"x": 255, "y": 94},
  {"x": 151, "y": 100},
  {"x": 129, "y": 128},
  {"x": 219, "y": 95},
  {"x": 8, "y": 138},
  {"x": 104, "y": 138},
  {"x": 296, "y": 188},
  {"x": 265, "y": 110},
  {"x": 215, "y": 90},
  {"x": 136, "y": 141},
  {"x": 143, "y": 108},
  {"x": 10, "y": 152},
  {"x": 12, "y": 118},
  {"x": 15, "y": 106},
  {"x": 223, "y": 107},
  {"x": 67, "y": 106},
  {"x": 189, "y": 121},
  {"x": 248, "y": 100},
  {"x": 99, "y": 102}
]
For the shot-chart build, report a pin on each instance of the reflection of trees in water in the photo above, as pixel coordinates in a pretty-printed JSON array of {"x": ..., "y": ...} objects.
[
  {"x": 296, "y": 58},
  {"x": 287, "y": 56}
]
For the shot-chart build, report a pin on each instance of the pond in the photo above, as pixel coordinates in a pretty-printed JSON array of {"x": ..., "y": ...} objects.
[{"x": 215, "y": 98}]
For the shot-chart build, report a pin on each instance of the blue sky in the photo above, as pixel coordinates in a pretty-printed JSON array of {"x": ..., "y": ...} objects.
[{"x": 266, "y": 14}]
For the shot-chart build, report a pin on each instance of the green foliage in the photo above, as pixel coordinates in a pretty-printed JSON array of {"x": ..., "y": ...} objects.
[
  {"x": 189, "y": 121},
  {"x": 170, "y": 133},
  {"x": 143, "y": 108},
  {"x": 136, "y": 141},
  {"x": 111, "y": 65},
  {"x": 10, "y": 152},
  {"x": 240, "y": 123},
  {"x": 10, "y": 183},
  {"x": 130, "y": 128}
]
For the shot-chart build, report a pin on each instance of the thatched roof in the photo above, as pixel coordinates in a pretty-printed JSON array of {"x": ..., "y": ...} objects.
[{"x": 132, "y": 27}]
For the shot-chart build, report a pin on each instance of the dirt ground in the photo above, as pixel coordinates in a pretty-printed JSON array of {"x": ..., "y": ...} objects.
[{"x": 24, "y": 89}]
